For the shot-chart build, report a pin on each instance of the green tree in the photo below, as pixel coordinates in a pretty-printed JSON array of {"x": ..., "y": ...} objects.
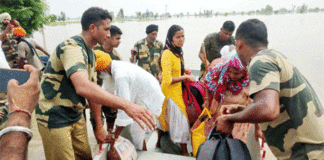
[
  {"x": 283, "y": 11},
  {"x": 268, "y": 10},
  {"x": 62, "y": 16},
  {"x": 302, "y": 9},
  {"x": 156, "y": 15},
  {"x": 120, "y": 14},
  {"x": 31, "y": 14},
  {"x": 138, "y": 15},
  {"x": 52, "y": 18}
]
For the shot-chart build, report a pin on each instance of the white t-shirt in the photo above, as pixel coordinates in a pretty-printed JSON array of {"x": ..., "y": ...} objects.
[
  {"x": 133, "y": 83},
  {"x": 3, "y": 60}
]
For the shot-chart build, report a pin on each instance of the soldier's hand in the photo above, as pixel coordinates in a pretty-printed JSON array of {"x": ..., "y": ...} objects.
[
  {"x": 140, "y": 114},
  {"x": 231, "y": 108},
  {"x": 9, "y": 27},
  {"x": 100, "y": 135},
  {"x": 15, "y": 23},
  {"x": 223, "y": 125}
]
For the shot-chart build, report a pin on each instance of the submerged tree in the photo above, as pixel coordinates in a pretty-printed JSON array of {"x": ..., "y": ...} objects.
[
  {"x": 302, "y": 9},
  {"x": 30, "y": 13},
  {"x": 120, "y": 14},
  {"x": 268, "y": 10}
]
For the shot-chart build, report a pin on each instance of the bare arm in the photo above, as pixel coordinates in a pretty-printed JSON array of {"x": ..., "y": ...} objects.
[
  {"x": 3, "y": 35},
  {"x": 265, "y": 108},
  {"x": 182, "y": 78},
  {"x": 99, "y": 131},
  {"x": 13, "y": 145},
  {"x": 95, "y": 94}
]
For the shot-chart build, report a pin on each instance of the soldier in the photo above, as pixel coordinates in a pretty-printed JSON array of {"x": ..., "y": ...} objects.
[
  {"x": 111, "y": 43},
  {"x": 214, "y": 42},
  {"x": 109, "y": 46},
  {"x": 148, "y": 50},
  {"x": 27, "y": 49},
  {"x": 9, "y": 45},
  {"x": 69, "y": 80},
  {"x": 284, "y": 104}
]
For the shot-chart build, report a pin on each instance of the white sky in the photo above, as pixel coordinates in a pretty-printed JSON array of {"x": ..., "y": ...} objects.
[{"x": 75, "y": 8}]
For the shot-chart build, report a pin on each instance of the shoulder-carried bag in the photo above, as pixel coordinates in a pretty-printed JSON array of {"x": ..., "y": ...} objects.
[
  {"x": 200, "y": 130},
  {"x": 192, "y": 106}
]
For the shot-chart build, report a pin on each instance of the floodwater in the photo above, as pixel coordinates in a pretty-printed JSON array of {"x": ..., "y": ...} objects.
[{"x": 298, "y": 36}]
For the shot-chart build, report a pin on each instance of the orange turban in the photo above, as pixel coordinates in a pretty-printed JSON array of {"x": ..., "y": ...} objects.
[
  {"x": 19, "y": 31},
  {"x": 103, "y": 60}
]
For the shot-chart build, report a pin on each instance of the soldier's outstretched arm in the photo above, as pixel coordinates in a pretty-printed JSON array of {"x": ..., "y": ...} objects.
[{"x": 98, "y": 95}]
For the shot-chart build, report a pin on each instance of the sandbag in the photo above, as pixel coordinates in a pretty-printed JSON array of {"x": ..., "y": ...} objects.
[{"x": 122, "y": 149}]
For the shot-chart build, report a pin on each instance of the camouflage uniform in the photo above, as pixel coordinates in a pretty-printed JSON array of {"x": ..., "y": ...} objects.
[
  {"x": 148, "y": 56},
  {"x": 10, "y": 48},
  {"x": 213, "y": 45},
  {"x": 298, "y": 132},
  {"x": 3, "y": 109},
  {"x": 59, "y": 104},
  {"x": 114, "y": 54},
  {"x": 59, "y": 114}
]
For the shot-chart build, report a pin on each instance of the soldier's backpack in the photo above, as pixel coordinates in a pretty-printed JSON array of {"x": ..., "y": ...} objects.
[{"x": 219, "y": 146}]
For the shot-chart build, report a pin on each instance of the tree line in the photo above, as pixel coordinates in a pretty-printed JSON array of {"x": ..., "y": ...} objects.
[
  {"x": 33, "y": 14},
  {"x": 268, "y": 10}
]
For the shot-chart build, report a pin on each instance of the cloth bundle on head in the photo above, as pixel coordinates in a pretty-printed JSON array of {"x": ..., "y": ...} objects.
[
  {"x": 103, "y": 60},
  {"x": 4, "y": 16},
  {"x": 19, "y": 31},
  {"x": 151, "y": 28},
  {"x": 218, "y": 80}
]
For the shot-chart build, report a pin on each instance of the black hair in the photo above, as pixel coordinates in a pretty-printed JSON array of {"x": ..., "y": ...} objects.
[
  {"x": 94, "y": 15},
  {"x": 150, "y": 28},
  {"x": 177, "y": 51},
  {"x": 253, "y": 32},
  {"x": 114, "y": 30},
  {"x": 229, "y": 26}
]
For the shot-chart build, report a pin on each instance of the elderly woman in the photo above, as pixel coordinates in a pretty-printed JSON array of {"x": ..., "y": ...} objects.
[{"x": 228, "y": 83}]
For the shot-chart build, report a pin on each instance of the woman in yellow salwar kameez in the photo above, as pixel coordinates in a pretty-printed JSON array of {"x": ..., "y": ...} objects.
[{"x": 174, "y": 116}]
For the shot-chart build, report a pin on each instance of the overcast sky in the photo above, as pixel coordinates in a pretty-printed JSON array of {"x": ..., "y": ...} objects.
[{"x": 75, "y": 8}]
